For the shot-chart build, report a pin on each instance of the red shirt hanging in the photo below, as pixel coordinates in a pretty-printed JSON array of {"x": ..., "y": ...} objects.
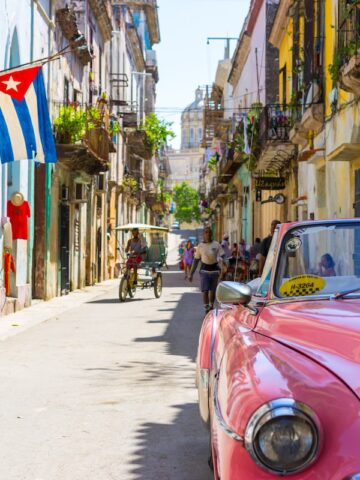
[{"x": 19, "y": 219}]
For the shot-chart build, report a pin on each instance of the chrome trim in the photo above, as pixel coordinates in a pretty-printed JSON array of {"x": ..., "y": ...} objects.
[
  {"x": 278, "y": 408},
  {"x": 231, "y": 433},
  {"x": 204, "y": 378}
]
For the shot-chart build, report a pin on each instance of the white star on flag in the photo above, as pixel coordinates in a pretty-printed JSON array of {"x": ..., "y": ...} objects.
[{"x": 11, "y": 84}]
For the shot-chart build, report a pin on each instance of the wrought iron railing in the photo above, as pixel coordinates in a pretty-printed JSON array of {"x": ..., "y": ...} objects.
[
  {"x": 349, "y": 29},
  {"x": 276, "y": 122}
]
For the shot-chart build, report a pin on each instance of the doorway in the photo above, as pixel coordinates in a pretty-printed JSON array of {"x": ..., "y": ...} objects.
[{"x": 64, "y": 249}]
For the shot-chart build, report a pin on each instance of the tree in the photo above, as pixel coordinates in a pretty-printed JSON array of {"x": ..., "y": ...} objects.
[
  {"x": 186, "y": 201},
  {"x": 157, "y": 131}
]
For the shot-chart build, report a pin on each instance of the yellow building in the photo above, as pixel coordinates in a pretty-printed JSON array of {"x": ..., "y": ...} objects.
[{"x": 318, "y": 76}]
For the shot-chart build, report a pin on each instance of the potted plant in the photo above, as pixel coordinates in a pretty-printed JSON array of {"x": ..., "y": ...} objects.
[{"x": 70, "y": 124}]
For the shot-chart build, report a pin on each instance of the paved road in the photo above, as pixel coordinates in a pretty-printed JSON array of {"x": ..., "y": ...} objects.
[{"x": 106, "y": 391}]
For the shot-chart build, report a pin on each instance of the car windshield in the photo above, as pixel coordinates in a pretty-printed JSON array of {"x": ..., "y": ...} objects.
[{"x": 319, "y": 260}]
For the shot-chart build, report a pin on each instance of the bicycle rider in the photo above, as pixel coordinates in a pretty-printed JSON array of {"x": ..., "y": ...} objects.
[{"x": 135, "y": 247}]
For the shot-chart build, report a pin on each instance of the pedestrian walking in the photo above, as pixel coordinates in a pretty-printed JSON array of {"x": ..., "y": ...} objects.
[
  {"x": 265, "y": 245},
  {"x": 211, "y": 254},
  {"x": 188, "y": 258},
  {"x": 226, "y": 246}
]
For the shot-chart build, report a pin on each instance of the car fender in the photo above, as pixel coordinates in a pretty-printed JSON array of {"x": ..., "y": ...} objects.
[
  {"x": 204, "y": 362},
  {"x": 256, "y": 369}
]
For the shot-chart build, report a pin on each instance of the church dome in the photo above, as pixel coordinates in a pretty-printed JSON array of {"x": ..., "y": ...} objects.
[{"x": 198, "y": 103}]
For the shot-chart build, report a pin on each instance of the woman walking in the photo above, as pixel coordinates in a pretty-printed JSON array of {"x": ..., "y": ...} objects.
[{"x": 188, "y": 258}]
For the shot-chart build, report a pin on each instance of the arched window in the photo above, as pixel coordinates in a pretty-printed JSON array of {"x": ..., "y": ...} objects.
[
  {"x": 192, "y": 139},
  {"x": 14, "y": 59}
]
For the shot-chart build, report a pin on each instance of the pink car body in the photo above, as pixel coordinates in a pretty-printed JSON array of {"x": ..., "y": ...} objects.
[{"x": 306, "y": 351}]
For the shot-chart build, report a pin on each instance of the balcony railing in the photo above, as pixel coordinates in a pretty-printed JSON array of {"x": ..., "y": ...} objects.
[
  {"x": 276, "y": 122},
  {"x": 119, "y": 83},
  {"x": 213, "y": 113},
  {"x": 347, "y": 58},
  {"x": 349, "y": 29}
]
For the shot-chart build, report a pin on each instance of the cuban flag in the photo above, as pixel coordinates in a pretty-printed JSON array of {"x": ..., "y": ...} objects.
[{"x": 25, "y": 128}]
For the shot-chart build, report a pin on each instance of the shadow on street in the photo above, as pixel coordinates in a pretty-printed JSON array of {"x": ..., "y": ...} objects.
[
  {"x": 182, "y": 333},
  {"x": 173, "y": 451}
]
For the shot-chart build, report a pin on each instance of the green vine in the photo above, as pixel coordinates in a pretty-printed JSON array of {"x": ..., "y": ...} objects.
[
  {"x": 157, "y": 131},
  {"x": 212, "y": 163},
  {"x": 129, "y": 182}
]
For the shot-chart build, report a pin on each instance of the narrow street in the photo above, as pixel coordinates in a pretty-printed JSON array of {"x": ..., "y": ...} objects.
[{"x": 106, "y": 390}]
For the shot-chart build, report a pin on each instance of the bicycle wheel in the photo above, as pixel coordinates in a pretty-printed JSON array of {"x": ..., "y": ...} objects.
[
  {"x": 158, "y": 286},
  {"x": 123, "y": 289},
  {"x": 131, "y": 285}
]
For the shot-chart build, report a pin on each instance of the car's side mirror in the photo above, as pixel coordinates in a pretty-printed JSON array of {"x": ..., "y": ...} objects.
[{"x": 233, "y": 293}]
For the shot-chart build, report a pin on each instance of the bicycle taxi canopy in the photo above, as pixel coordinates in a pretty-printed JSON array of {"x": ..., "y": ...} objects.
[{"x": 143, "y": 227}]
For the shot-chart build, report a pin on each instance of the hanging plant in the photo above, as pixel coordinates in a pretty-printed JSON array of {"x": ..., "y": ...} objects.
[
  {"x": 341, "y": 56},
  {"x": 129, "y": 182},
  {"x": 212, "y": 163},
  {"x": 114, "y": 127}
]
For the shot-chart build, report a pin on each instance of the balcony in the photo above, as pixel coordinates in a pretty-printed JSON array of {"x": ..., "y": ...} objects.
[
  {"x": 69, "y": 25},
  {"x": 152, "y": 65},
  {"x": 83, "y": 142},
  {"x": 313, "y": 118},
  {"x": 229, "y": 165},
  {"x": 213, "y": 114},
  {"x": 276, "y": 147},
  {"x": 349, "y": 51},
  {"x": 102, "y": 11},
  {"x": 217, "y": 190},
  {"x": 151, "y": 10},
  {"x": 136, "y": 45},
  {"x": 137, "y": 144}
]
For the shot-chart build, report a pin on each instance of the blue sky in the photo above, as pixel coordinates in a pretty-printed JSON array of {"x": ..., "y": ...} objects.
[{"x": 184, "y": 58}]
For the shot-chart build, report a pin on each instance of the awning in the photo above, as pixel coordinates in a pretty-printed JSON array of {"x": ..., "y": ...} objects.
[{"x": 143, "y": 227}]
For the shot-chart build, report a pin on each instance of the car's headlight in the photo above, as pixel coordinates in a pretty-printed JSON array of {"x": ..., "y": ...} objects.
[{"x": 283, "y": 436}]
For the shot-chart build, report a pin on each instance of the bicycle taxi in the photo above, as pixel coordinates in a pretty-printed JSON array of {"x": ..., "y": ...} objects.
[{"x": 147, "y": 274}]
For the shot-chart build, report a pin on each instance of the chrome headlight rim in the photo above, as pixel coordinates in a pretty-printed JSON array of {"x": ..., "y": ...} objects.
[{"x": 282, "y": 407}]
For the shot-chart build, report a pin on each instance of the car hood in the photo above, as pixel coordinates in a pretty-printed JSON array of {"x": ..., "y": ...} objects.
[{"x": 328, "y": 331}]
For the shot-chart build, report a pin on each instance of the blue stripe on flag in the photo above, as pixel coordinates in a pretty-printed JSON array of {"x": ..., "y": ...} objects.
[
  {"x": 46, "y": 133},
  {"x": 27, "y": 128},
  {"x": 6, "y": 150}
]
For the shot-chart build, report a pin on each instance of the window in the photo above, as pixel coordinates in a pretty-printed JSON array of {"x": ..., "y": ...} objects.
[
  {"x": 191, "y": 137},
  {"x": 200, "y": 135}
]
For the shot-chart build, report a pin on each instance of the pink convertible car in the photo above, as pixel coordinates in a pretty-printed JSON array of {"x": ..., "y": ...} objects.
[{"x": 278, "y": 367}]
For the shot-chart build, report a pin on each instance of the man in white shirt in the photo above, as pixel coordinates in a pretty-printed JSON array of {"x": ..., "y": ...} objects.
[
  {"x": 209, "y": 253},
  {"x": 225, "y": 246}
]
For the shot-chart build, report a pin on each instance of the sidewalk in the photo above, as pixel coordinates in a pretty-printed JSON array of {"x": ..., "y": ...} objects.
[{"x": 42, "y": 311}]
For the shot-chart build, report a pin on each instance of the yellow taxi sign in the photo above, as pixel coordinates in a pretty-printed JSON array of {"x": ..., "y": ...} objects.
[{"x": 302, "y": 285}]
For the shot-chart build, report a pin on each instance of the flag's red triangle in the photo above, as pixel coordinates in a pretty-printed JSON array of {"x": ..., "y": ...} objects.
[{"x": 16, "y": 82}]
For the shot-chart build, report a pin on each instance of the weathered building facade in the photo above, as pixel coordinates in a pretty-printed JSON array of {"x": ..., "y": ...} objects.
[{"x": 100, "y": 89}]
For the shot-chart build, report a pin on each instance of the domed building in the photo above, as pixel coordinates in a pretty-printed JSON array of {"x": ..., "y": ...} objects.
[
  {"x": 185, "y": 163},
  {"x": 192, "y": 122}
]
